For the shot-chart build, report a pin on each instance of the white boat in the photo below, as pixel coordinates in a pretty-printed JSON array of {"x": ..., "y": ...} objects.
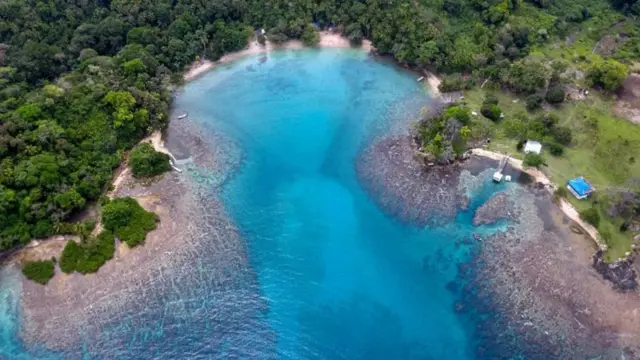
[
  {"x": 420, "y": 78},
  {"x": 183, "y": 116}
]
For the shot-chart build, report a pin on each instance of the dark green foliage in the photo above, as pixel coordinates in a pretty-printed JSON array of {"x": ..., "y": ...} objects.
[
  {"x": 528, "y": 76},
  {"x": 128, "y": 220},
  {"x": 555, "y": 94},
  {"x": 555, "y": 149},
  {"x": 591, "y": 216},
  {"x": 310, "y": 36},
  {"x": 444, "y": 136},
  {"x": 608, "y": 74},
  {"x": 89, "y": 256},
  {"x": 534, "y": 101},
  {"x": 490, "y": 108},
  {"x": 39, "y": 271},
  {"x": 561, "y": 135},
  {"x": 459, "y": 113},
  {"x": 491, "y": 111},
  {"x": 146, "y": 162},
  {"x": 455, "y": 82},
  {"x": 561, "y": 192},
  {"x": 533, "y": 160}
]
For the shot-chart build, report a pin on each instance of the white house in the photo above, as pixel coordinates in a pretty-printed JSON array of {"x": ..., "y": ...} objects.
[{"x": 532, "y": 147}]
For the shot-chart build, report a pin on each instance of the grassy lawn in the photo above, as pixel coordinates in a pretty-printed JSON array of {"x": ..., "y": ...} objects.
[{"x": 603, "y": 151}]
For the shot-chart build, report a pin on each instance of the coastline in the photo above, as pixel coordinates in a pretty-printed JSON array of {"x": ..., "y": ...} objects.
[
  {"x": 569, "y": 210},
  {"x": 327, "y": 40},
  {"x": 155, "y": 199}
]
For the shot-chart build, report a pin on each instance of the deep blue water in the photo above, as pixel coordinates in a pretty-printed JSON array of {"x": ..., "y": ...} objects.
[{"x": 340, "y": 279}]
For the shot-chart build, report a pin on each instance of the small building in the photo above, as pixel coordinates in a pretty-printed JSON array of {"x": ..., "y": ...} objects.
[
  {"x": 580, "y": 188},
  {"x": 532, "y": 147}
]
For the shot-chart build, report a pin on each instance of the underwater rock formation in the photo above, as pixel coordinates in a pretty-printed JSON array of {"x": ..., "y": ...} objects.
[
  {"x": 499, "y": 207},
  {"x": 406, "y": 189}
]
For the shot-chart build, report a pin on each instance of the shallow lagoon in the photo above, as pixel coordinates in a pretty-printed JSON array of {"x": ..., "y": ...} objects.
[
  {"x": 341, "y": 279},
  {"x": 338, "y": 278}
]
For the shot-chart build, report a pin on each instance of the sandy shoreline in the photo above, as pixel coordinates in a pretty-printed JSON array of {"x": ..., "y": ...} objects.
[
  {"x": 327, "y": 40},
  {"x": 569, "y": 210}
]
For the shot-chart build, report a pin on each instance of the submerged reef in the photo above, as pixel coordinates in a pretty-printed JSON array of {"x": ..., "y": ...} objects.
[
  {"x": 529, "y": 288},
  {"x": 495, "y": 209},
  {"x": 403, "y": 188}
]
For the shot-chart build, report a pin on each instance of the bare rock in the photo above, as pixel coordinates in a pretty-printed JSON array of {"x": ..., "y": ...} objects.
[{"x": 621, "y": 273}]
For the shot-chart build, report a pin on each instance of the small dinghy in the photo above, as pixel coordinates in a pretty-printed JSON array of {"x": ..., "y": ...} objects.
[
  {"x": 183, "y": 116},
  {"x": 477, "y": 237}
]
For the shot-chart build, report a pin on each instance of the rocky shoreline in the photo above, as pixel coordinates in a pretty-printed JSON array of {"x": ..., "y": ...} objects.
[{"x": 536, "y": 289}]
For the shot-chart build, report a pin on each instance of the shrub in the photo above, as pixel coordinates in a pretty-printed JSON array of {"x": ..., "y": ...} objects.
[
  {"x": 310, "y": 36},
  {"x": 128, "y": 220},
  {"x": 608, "y": 74},
  {"x": 555, "y": 94},
  {"x": 454, "y": 82},
  {"x": 528, "y": 76},
  {"x": 555, "y": 149},
  {"x": 459, "y": 113},
  {"x": 146, "y": 162},
  {"x": 533, "y": 160},
  {"x": 88, "y": 257},
  {"x": 533, "y": 101},
  {"x": 591, "y": 216},
  {"x": 561, "y": 192},
  {"x": 39, "y": 271},
  {"x": 70, "y": 257},
  {"x": 491, "y": 111},
  {"x": 562, "y": 135}
]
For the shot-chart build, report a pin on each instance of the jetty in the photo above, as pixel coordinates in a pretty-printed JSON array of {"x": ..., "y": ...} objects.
[{"x": 498, "y": 175}]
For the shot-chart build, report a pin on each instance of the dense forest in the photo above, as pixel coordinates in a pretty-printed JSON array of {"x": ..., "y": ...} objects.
[{"x": 82, "y": 81}]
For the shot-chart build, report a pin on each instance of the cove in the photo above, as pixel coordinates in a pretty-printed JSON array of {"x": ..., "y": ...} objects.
[
  {"x": 328, "y": 275},
  {"x": 341, "y": 279}
]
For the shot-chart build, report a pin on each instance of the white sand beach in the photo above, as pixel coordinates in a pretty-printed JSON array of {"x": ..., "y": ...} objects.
[
  {"x": 569, "y": 210},
  {"x": 327, "y": 40},
  {"x": 434, "y": 83}
]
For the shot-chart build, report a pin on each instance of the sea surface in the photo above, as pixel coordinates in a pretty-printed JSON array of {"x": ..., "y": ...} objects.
[{"x": 339, "y": 279}]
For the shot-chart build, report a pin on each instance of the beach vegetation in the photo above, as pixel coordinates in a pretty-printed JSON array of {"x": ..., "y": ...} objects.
[
  {"x": 146, "y": 162},
  {"x": 310, "y": 36},
  {"x": 39, "y": 271},
  {"x": 128, "y": 220},
  {"x": 88, "y": 256}
]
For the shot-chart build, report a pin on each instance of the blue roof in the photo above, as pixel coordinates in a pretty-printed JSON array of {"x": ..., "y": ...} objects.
[{"x": 581, "y": 186}]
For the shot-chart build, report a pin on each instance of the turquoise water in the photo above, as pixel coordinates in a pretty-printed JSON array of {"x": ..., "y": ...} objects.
[{"x": 339, "y": 278}]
